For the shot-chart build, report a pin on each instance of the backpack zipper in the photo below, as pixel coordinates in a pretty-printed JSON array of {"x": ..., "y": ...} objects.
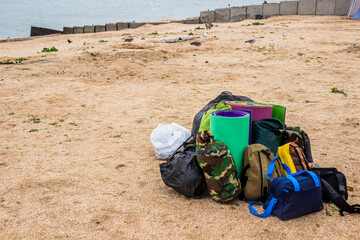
[{"x": 261, "y": 174}]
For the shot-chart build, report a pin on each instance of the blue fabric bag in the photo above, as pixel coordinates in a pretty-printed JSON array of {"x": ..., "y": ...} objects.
[{"x": 292, "y": 196}]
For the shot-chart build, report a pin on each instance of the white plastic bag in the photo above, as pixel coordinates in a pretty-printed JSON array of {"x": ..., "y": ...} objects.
[{"x": 166, "y": 138}]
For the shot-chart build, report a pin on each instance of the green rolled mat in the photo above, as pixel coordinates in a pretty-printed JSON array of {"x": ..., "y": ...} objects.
[
  {"x": 279, "y": 113},
  {"x": 232, "y": 128}
]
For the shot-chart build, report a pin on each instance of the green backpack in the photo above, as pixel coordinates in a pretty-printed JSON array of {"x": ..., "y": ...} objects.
[
  {"x": 218, "y": 165},
  {"x": 255, "y": 186}
]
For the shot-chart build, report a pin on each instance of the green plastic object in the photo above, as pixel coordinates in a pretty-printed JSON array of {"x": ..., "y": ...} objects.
[
  {"x": 279, "y": 113},
  {"x": 205, "y": 120},
  {"x": 232, "y": 128}
]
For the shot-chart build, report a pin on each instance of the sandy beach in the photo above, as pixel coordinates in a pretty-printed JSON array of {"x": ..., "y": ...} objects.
[{"x": 76, "y": 161}]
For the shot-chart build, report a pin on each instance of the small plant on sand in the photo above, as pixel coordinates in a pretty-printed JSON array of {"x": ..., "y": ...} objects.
[
  {"x": 327, "y": 213},
  {"x": 20, "y": 59},
  {"x": 87, "y": 52},
  {"x": 185, "y": 31},
  {"x": 33, "y": 130},
  {"x": 190, "y": 33},
  {"x": 84, "y": 43},
  {"x": 35, "y": 120},
  {"x": 142, "y": 38},
  {"x": 335, "y": 90},
  {"x": 198, "y": 28},
  {"x": 300, "y": 54},
  {"x": 154, "y": 33},
  {"x": 102, "y": 40},
  {"x": 257, "y": 23},
  {"x": 8, "y": 61},
  {"x": 52, "y": 49}
]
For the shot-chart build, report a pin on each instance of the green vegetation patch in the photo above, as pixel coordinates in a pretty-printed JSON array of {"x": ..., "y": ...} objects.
[
  {"x": 8, "y": 61},
  {"x": 257, "y": 23},
  {"x": 52, "y": 49},
  {"x": 20, "y": 59},
  {"x": 335, "y": 90}
]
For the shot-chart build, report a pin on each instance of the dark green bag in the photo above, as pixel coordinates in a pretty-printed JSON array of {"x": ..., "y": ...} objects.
[
  {"x": 298, "y": 136},
  {"x": 265, "y": 132},
  {"x": 218, "y": 165}
]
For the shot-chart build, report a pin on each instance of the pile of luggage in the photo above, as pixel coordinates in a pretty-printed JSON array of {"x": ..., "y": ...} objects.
[{"x": 241, "y": 149}]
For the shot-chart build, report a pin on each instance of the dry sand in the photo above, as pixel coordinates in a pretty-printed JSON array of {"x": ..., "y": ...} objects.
[{"x": 87, "y": 170}]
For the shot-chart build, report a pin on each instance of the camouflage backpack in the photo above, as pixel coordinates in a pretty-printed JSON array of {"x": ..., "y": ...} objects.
[
  {"x": 254, "y": 183},
  {"x": 218, "y": 165}
]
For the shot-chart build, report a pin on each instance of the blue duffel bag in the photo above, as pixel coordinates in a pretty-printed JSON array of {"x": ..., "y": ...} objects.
[{"x": 292, "y": 196}]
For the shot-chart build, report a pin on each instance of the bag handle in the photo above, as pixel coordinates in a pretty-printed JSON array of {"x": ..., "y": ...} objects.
[
  {"x": 272, "y": 165},
  {"x": 268, "y": 210},
  {"x": 295, "y": 182}
]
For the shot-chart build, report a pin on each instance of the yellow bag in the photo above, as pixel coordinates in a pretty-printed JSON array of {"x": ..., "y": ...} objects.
[{"x": 285, "y": 155}]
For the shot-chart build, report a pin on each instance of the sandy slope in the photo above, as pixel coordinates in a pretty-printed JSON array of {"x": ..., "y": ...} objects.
[{"x": 87, "y": 170}]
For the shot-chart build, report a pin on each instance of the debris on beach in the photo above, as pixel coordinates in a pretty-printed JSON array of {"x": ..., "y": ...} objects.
[
  {"x": 175, "y": 40},
  {"x": 129, "y": 39},
  {"x": 207, "y": 22},
  {"x": 197, "y": 43}
]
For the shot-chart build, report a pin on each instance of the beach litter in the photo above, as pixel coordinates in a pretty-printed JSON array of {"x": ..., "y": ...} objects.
[
  {"x": 175, "y": 40},
  {"x": 197, "y": 43}
]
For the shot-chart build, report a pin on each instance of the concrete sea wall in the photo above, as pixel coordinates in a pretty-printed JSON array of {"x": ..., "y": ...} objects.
[{"x": 231, "y": 14}]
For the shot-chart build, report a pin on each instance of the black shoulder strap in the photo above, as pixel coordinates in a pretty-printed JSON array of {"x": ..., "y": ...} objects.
[
  {"x": 338, "y": 200},
  {"x": 342, "y": 184}
]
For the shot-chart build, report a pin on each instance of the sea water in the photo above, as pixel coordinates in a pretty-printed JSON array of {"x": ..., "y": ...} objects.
[{"x": 17, "y": 16}]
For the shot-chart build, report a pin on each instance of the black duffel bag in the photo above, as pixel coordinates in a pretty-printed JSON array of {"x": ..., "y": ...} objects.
[{"x": 334, "y": 189}]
